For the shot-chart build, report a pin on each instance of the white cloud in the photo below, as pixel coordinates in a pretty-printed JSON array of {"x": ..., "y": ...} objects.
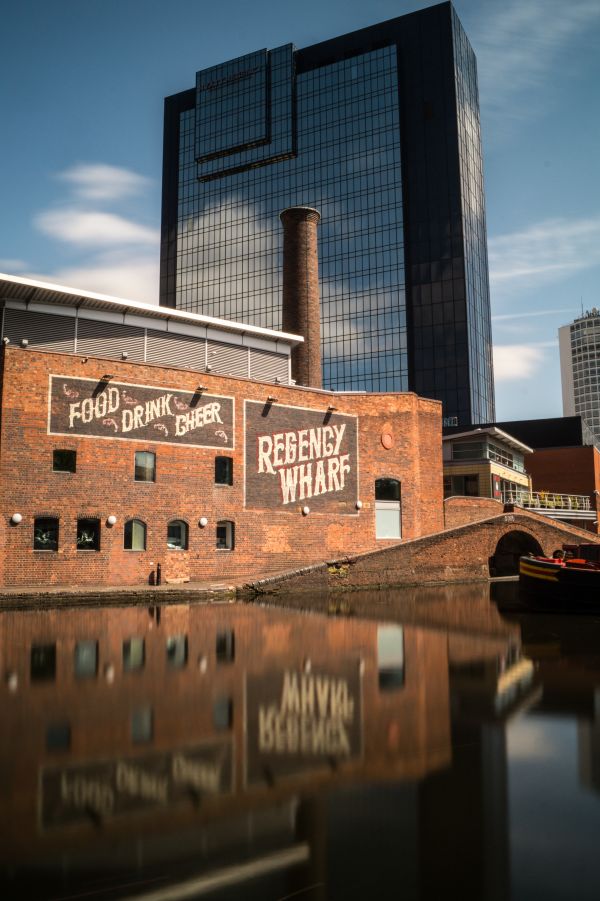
[
  {"x": 513, "y": 362},
  {"x": 531, "y": 314},
  {"x": 545, "y": 251},
  {"x": 9, "y": 264},
  {"x": 519, "y": 41},
  {"x": 90, "y": 228},
  {"x": 98, "y": 181},
  {"x": 133, "y": 276}
]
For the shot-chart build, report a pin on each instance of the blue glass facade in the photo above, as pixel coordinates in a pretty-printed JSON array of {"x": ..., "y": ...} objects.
[{"x": 379, "y": 131}]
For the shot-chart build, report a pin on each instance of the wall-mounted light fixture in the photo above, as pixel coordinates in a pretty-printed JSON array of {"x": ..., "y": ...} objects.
[
  {"x": 199, "y": 389},
  {"x": 107, "y": 377},
  {"x": 16, "y": 518},
  {"x": 208, "y": 367},
  {"x": 24, "y": 342},
  {"x": 305, "y": 511},
  {"x": 111, "y": 520},
  {"x": 203, "y": 522},
  {"x": 271, "y": 399},
  {"x": 358, "y": 505},
  {"x": 124, "y": 355},
  {"x": 6, "y": 340},
  {"x": 331, "y": 408}
]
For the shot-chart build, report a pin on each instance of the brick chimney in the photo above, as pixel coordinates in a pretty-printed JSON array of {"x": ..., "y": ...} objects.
[{"x": 301, "y": 311}]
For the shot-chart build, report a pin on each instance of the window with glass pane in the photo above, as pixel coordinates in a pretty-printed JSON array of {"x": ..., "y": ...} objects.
[
  {"x": 142, "y": 725},
  {"x": 43, "y": 662},
  {"x": 64, "y": 461},
  {"x": 225, "y": 646},
  {"x": 388, "y": 509},
  {"x": 88, "y": 534},
  {"x": 145, "y": 466},
  {"x": 390, "y": 657},
  {"x": 45, "y": 533},
  {"x": 177, "y": 649},
  {"x": 135, "y": 535},
  {"x": 177, "y": 535},
  {"x": 86, "y": 659},
  {"x": 387, "y": 490},
  {"x": 223, "y": 470},
  {"x": 223, "y": 713},
  {"x": 225, "y": 535},
  {"x": 58, "y": 737},
  {"x": 133, "y": 654}
]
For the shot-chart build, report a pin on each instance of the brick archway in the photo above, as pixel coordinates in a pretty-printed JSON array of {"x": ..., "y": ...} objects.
[{"x": 512, "y": 545}]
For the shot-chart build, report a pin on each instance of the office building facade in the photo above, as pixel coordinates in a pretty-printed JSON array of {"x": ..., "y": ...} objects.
[
  {"x": 579, "y": 344},
  {"x": 379, "y": 131}
]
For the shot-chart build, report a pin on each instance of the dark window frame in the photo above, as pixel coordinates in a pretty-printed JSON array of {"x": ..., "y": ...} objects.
[
  {"x": 135, "y": 467},
  {"x": 186, "y": 535},
  {"x": 129, "y": 522},
  {"x": 227, "y": 464},
  {"x": 64, "y": 450},
  {"x": 37, "y": 525},
  {"x": 96, "y": 524},
  {"x": 229, "y": 526}
]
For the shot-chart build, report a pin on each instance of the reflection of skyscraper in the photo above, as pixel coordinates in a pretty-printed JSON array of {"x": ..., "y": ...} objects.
[{"x": 378, "y": 129}]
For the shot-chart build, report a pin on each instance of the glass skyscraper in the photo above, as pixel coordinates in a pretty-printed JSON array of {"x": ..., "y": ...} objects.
[
  {"x": 579, "y": 345},
  {"x": 379, "y": 131}
]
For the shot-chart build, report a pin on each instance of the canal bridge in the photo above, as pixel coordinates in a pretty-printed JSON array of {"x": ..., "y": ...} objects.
[{"x": 470, "y": 552}]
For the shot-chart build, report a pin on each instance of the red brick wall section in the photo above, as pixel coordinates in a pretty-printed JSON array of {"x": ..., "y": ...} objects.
[
  {"x": 266, "y": 541},
  {"x": 458, "y": 511}
]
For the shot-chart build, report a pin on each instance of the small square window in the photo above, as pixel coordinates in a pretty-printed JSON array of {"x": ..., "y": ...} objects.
[
  {"x": 133, "y": 654},
  {"x": 64, "y": 461},
  {"x": 145, "y": 466},
  {"x": 177, "y": 649},
  {"x": 43, "y": 662},
  {"x": 86, "y": 659},
  {"x": 223, "y": 713},
  {"x": 225, "y": 646},
  {"x": 58, "y": 737},
  {"x": 225, "y": 535},
  {"x": 142, "y": 726},
  {"x": 223, "y": 470},
  {"x": 88, "y": 534}
]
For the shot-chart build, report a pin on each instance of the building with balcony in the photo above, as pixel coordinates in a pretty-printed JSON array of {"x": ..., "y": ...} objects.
[{"x": 485, "y": 462}]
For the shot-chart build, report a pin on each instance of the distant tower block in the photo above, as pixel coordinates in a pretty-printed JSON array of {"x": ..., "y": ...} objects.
[{"x": 301, "y": 314}]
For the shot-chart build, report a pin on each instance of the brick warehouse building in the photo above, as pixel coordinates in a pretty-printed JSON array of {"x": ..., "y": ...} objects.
[{"x": 133, "y": 435}]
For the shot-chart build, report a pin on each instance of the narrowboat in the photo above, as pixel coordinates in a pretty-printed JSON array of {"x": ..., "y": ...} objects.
[{"x": 568, "y": 585}]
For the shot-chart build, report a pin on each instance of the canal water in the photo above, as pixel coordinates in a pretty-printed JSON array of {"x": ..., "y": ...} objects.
[{"x": 430, "y": 744}]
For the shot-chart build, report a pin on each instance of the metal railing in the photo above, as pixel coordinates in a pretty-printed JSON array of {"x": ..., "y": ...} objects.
[{"x": 549, "y": 503}]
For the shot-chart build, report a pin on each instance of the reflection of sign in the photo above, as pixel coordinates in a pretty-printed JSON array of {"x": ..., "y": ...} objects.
[
  {"x": 108, "y": 409},
  {"x": 297, "y": 721},
  {"x": 97, "y": 791},
  {"x": 297, "y": 456}
]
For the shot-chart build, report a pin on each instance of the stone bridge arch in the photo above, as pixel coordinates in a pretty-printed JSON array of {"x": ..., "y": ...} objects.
[{"x": 511, "y": 545}]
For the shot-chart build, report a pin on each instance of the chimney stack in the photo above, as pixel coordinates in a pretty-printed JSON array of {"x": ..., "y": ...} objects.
[{"x": 301, "y": 312}]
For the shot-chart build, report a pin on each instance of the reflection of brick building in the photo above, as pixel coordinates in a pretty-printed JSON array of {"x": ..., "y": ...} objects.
[
  {"x": 123, "y": 446},
  {"x": 88, "y": 690}
]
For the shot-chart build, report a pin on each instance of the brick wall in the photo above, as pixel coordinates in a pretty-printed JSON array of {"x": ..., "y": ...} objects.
[{"x": 267, "y": 539}]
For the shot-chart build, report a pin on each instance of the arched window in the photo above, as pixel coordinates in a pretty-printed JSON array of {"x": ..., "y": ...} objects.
[
  {"x": 388, "y": 509},
  {"x": 177, "y": 535},
  {"x": 45, "y": 533},
  {"x": 225, "y": 535},
  {"x": 135, "y": 535}
]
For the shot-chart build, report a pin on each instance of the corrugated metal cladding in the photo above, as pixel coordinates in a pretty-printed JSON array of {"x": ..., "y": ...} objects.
[
  {"x": 230, "y": 359},
  {"x": 266, "y": 366},
  {"x": 42, "y": 330},
  {"x": 98, "y": 338},
  {"x": 109, "y": 339},
  {"x": 175, "y": 350}
]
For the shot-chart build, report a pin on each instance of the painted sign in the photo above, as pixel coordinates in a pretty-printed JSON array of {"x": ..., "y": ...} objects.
[
  {"x": 298, "y": 456},
  {"x": 107, "y": 409},
  {"x": 298, "y": 721},
  {"x": 98, "y": 791}
]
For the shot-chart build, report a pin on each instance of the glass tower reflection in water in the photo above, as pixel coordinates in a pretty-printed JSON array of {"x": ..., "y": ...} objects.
[{"x": 379, "y": 130}]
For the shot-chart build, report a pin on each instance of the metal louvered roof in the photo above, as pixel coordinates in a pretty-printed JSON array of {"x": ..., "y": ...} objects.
[{"x": 26, "y": 290}]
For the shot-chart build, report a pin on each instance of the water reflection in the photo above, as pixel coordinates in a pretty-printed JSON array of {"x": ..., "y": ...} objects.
[{"x": 237, "y": 751}]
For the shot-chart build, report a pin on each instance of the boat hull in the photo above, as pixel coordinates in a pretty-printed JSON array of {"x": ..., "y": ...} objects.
[{"x": 548, "y": 586}]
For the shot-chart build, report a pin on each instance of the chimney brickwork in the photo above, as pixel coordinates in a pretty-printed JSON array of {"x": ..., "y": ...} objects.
[{"x": 301, "y": 312}]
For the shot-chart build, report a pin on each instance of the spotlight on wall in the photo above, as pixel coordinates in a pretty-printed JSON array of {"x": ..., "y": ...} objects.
[
  {"x": 16, "y": 518},
  {"x": 111, "y": 520},
  {"x": 24, "y": 342},
  {"x": 6, "y": 340},
  {"x": 271, "y": 399},
  {"x": 203, "y": 522},
  {"x": 305, "y": 511}
]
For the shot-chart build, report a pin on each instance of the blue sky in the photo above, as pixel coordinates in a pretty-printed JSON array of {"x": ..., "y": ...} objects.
[{"x": 82, "y": 84}]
